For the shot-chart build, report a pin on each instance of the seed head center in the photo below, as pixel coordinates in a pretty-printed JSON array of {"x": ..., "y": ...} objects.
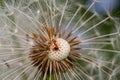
[{"x": 59, "y": 49}]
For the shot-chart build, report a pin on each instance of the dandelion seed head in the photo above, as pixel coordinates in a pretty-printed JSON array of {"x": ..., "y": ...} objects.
[{"x": 57, "y": 40}]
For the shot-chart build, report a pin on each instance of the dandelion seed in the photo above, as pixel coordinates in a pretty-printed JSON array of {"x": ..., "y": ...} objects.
[{"x": 56, "y": 40}]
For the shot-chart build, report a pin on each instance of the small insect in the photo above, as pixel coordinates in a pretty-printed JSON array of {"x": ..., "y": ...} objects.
[
  {"x": 8, "y": 66},
  {"x": 27, "y": 37}
]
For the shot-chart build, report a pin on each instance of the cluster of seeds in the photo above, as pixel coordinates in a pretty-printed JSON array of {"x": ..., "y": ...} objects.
[{"x": 52, "y": 52}]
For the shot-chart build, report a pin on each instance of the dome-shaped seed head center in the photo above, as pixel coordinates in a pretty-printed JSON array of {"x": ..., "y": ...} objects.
[{"x": 59, "y": 49}]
